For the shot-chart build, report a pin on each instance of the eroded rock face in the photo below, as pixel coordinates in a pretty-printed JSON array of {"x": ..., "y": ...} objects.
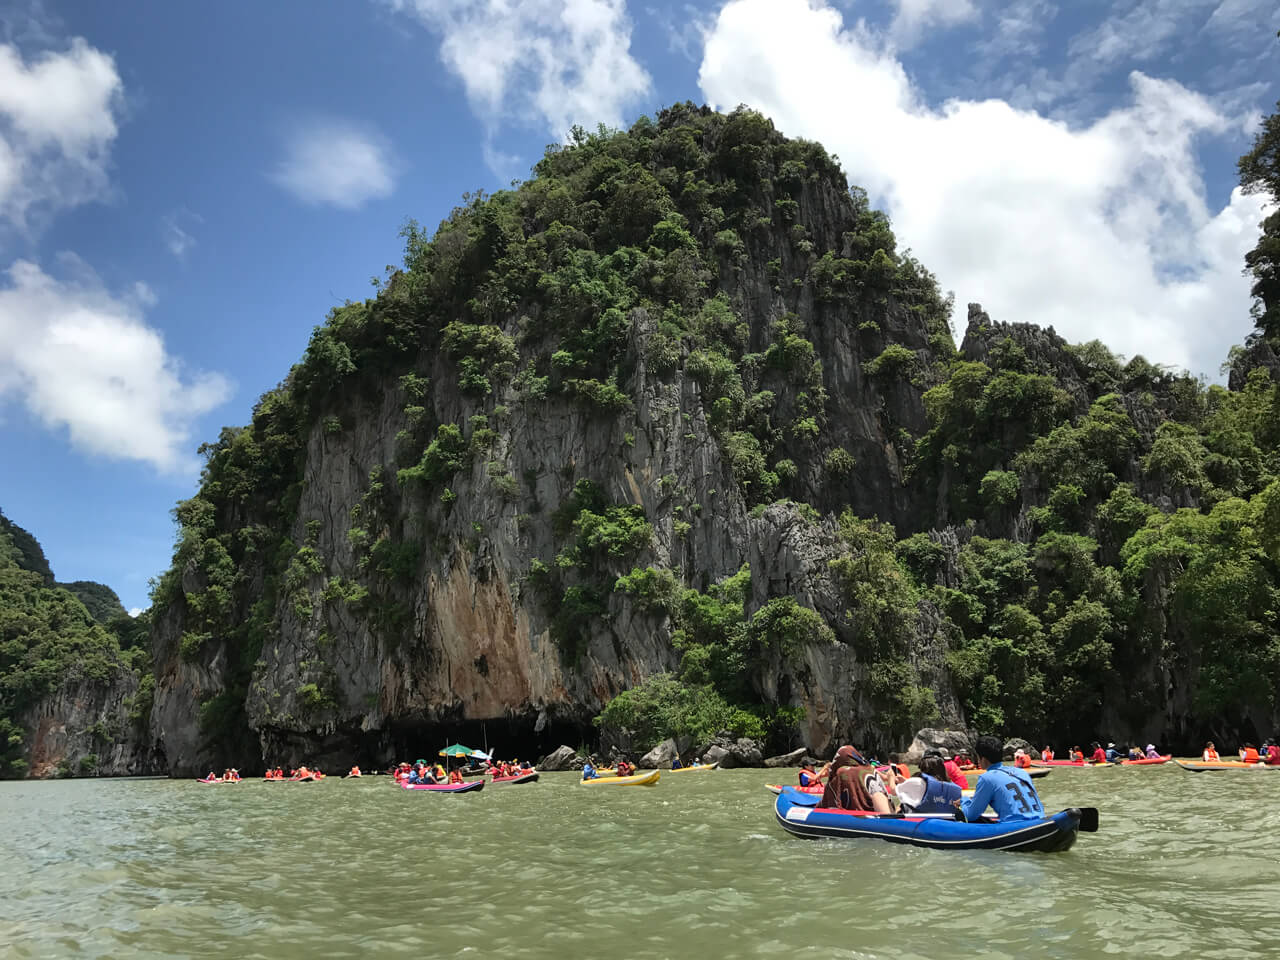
[{"x": 85, "y": 729}]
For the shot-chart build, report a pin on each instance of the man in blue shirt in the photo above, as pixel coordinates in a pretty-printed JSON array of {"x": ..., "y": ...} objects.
[
  {"x": 1007, "y": 790},
  {"x": 588, "y": 771}
]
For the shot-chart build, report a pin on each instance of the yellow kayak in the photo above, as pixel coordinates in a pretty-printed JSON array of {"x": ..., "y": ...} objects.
[
  {"x": 639, "y": 780},
  {"x": 696, "y": 767}
]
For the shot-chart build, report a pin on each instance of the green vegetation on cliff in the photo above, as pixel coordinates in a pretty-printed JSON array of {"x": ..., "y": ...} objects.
[
  {"x": 1056, "y": 536},
  {"x": 48, "y": 640}
]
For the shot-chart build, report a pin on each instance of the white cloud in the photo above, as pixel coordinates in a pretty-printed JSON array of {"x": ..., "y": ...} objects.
[
  {"x": 81, "y": 358},
  {"x": 332, "y": 163},
  {"x": 135, "y": 611},
  {"x": 547, "y": 63},
  {"x": 1102, "y": 230},
  {"x": 176, "y": 229},
  {"x": 914, "y": 17},
  {"x": 1020, "y": 28},
  {"x": 57, "y": 124}
]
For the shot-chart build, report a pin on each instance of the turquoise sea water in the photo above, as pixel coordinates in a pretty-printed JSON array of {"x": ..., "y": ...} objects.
[{"x": 1183, "y": 866}]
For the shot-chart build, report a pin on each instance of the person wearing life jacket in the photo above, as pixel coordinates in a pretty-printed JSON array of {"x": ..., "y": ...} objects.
[
  {"x": 930, "y": 791},
  {"x": 1006, "y": 789},
  {"x": 1046, "y": 753},
  {"x": 1099, "y": 755},
  {"x": 1152, "y": 753},
  {"x": 953, "y": 771},
  {"x": 1210, "y": 755},
  {"x": 589, "y": 770},
  {"x": 1076, "y": 754},
  {"x": 963, "y": 761},
  {"x": 455, "y": 776},
  {"x": 854, "y": 785},
  {"x": 807, "y": 775},
  {"x": 1249, "y": 753}
]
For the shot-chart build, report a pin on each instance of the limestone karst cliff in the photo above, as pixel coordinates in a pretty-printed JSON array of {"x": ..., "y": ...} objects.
[{"x": 675, "y": 431}]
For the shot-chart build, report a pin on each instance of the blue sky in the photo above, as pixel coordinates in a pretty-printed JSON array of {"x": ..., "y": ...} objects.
[{"x": 186, "y": 191}]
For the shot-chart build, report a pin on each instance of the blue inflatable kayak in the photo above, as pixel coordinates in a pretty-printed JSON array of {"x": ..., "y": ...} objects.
[{"x": 799, "y": 814}]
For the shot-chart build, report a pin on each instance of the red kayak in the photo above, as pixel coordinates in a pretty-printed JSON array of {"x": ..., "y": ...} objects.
[
  {"x": 1147, "y": 761},
  {"x": 215, "y": 780},
  {"x": 530, "y": 777},
  {"x": 446, "y": 787}
]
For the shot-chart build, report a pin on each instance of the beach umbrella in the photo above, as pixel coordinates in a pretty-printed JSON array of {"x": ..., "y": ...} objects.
[
  {"x": 480, "y": 755},
  {"x": 456, "y": 750}
]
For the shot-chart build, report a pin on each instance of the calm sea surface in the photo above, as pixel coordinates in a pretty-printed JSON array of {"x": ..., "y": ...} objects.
[{"x": 1183, "y": 866}]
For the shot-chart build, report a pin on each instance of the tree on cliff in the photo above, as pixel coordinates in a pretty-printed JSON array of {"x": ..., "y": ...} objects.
[{"x": 1260, "y": 173}]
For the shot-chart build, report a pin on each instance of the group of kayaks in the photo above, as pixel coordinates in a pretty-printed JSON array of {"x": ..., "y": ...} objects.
[
  {"x": 471, "y": 786},
  {"x": 1095, "y": 765}
]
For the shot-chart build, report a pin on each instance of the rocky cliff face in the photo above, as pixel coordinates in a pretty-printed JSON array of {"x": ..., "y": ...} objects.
[
  {"x": 464, "y": 616},
  {"x": 88, "y": 728}
]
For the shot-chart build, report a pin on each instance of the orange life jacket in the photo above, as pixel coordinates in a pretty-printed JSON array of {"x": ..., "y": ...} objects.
[
  {"x": 1046, "y": 755},
  {"x": 1250, "y": 755},
  {"x": 1210, "y": 756}
]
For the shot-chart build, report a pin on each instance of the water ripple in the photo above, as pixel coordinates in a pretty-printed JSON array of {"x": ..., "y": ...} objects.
[{"x": 1183, "y": 866}]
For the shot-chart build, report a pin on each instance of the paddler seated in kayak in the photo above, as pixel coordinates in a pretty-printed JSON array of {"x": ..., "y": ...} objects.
[
  {"x": 1006, "y": 789},
  {"x": 1249, "y": 753},
  {"x": 589, "y": 770},
  {"x": 455, "y": 776},
  {"x": 1135, "y": 753},
  {"x": 301, "y": 773},
  {"x": 1046, "y": 753},
  {"x": 808, "y": 776},
  {"x": 853, "y": 784},
  {"x": 676, "y": 764},
  {"x": 354, "y": 772},
  {"x": 964, "y": 761},
  {"x": 1272, "y": 753},
  {"x": 1210, "y": 755},
  {"x": 1076, "y": 754},
  {"x": 1021, "y": 760},
  {"x": 930, "y": 791},
  {"x": 211, "y": 776},
  {"x": 1111, "y": 753},
  {"x": 624, "y": 768},
  {"x": 1099, "y": 755},
  {"x": 1152, "y": 753}
]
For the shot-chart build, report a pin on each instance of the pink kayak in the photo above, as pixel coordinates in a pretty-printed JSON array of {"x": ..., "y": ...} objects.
[
  {"x": 216, "y": 780},
  {"x": 446, "y": 787},
  {"x": 530, "y": 777}
]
